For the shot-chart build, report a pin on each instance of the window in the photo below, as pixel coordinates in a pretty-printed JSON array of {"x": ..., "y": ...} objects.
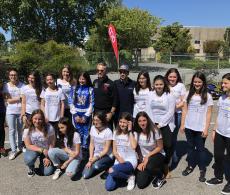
[{"x": 197, "y": 42}]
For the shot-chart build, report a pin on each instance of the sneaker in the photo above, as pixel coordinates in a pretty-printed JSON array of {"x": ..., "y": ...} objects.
[
  {"x": 226, "y": 189},
  {"x": 3, "y": 152},
  {"x": 158, "y": 183},
  {"x": 202, "y": 176},
  {"x": 24, "y": 149},
  {"x": 57, "y": 174},
  {"x": 104, "y": 175},
  {"x": 131, "y": 183},
  {"x": 187, "y": 171},
  {"x": 30, "y": 173},
  {"x": 214, "y": 181},
  {"x": 12, "y": 155}
]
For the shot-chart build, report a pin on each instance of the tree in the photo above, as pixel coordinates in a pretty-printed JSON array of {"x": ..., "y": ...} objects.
[
  {"x": 63, "y": 21},
  {"x": 226, "y": 46},
  {"x": 173, "y": 38},
  {"x": 2, "y": 40},
  {"x": 213, "y": 47},
  {"x": 135, "y": 29}
]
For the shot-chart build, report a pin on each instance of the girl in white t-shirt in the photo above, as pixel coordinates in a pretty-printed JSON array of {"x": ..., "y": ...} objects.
[
  {"x": 68, "y": 156},
  {"x": 177, "y": 88},
  {"x": 124, "y": 145},
  {"x": 52, "y": 102},
  {"x": 221, "y": 137},
  {"x": 196, "y": 117},
  {"x": 30, "y": 95},
  {"x": 150, "y": 152},
  {"x": 100, "y": 150},
  {"x": 12, "y": 95},
  {"x": 162, "y": 108},
  {"x": 64, "y": 83},
  {"x": 140, "y": 92},
  {"x": 39, "y": 138}
]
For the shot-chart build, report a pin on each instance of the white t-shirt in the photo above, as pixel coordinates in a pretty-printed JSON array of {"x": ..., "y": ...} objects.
[
  {"x": 223, "y": 118},
  {"x": 178, "y": 91},
  {"x": 148, "y": 146},
  {"x": 32, "y": 102},
  {"x": 65, "y": 87},
  {"x": 162, "y": 109},
  {"x": 124, "y": 149},
  {"x": 196, "y": 115},
  {"x": 52, "y": 103},
  {"x": 37, "y": 138},
  {"x": 99, "y": 139},
  {"x": 14, "y": 92},
  {"x": 76, "y": 140},
  {"x": 140, "y": 101}
]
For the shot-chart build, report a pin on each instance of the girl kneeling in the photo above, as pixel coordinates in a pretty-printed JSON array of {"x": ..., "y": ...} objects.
[
  {"x": 68, "y": 157},
  {"x": 124, "y": 145}
]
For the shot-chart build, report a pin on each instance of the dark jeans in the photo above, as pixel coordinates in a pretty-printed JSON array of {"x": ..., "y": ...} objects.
[
  {"x": 154, "y": 167},
  {"x": 195, "y": 144},
  {"x": 175, "y": 132},
  {"x": 221, "y": 143},
  {"x": 121, "y": 172},
  {"x": 2, "y": 129},
  {"x": 167, "y": 137}
]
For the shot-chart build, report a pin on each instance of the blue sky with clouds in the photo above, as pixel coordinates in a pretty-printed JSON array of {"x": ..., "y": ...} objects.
[{"x": 208, "y": 13}]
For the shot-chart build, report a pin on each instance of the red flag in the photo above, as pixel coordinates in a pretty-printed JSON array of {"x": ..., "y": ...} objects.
[{"x": 113, "y": 39}]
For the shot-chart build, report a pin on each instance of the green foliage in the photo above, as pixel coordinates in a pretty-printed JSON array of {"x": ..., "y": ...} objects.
[
  {"x": 226, "y": 45},
  {"x": 2, "y": 40},
  {"x": 173, "y": 38},
  {"x": 47, "y": 57},
  {"x": 63, "y": 21},
  {"x": 213, "y": 47},
  {"x": 135, "y": 29}
]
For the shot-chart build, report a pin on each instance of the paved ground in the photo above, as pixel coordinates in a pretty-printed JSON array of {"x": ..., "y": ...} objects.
[{"x": 13, "y": 180}]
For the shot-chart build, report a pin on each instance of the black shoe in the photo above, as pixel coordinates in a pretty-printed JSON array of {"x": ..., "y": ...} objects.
[
  {"x": 202, "y": 176},
  {"x": 226, "y": 189},
  {"x": 187, "y": 171},
  {"x": 214, "y": 181},
  {"x": 104, "y": 175},
  {"x": 30, "y": 173},
  {"x": 158, "y": 183}
]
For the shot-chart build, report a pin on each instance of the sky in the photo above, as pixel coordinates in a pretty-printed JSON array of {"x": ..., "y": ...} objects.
[{"x": 206, "y": 13}]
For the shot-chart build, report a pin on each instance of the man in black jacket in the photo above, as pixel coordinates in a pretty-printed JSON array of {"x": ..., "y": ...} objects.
[
  {"x": 125, "y": 97},
  {"x": 105, "y": 94}
]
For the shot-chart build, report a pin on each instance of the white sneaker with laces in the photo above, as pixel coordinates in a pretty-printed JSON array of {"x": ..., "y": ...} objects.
[
  {"x": 57, "y": 174},
  {"x": 131, "y": 183},
  {"x": 12, "y": 155}
]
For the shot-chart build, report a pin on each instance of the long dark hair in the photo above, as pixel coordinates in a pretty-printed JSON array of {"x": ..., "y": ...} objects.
[
  {"x": 37, "y": 83},
  {"x": 102, "y": 117},
  {"x": 67, "y": 66},
  {"x": 173, "y": 70},
  {"x": 44, "y": 126},
  {"x": 124, "y": 115},
  {"x": 166, "y": 87},
  {"x": 149, "y": 128},
  {"x": 148, "y": 82},
  {"x": 203, "y": 91},
  {"x": 69, "y": 133},
  {"x": 226, "y": 76},
  {"x": 87, "y": 78}
]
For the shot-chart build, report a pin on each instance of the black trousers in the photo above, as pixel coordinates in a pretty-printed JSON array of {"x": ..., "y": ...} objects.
[
  {"x": 154, "y": 167},
  {"x": 2, "y": 129},
  {"x": 221, "y": 143},
  {"x": 167, "y": 137}
]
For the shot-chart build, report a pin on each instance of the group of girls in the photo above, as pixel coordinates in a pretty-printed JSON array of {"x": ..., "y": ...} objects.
[{"x": 142, "y": 146}]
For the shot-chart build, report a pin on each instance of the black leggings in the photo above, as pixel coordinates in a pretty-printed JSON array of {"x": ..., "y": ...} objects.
[
  {"x": 154, "y": 167},
  {"x": 221, "y": 143},
  {"x": 2, "y": 129},
  {"x": 167, "y": 137}
]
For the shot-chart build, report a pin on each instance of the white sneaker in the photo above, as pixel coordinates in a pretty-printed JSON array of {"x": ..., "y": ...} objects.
[
  {"x": 12, "y": 155},
  {"x": 24, "y": 149},
  {"x": 131, "y": 183},
  {"x": 57, "y": 174}
]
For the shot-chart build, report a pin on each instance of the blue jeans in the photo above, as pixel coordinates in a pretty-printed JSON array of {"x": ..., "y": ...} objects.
[
  {"x": 195, "y": 144},
  {"x": 175, "y": 132},
  {"x": 30, "y": 158},
  {"x": 15, "y": 124},
  {"x": 58, "y": 156},
  {"x": 98, "y": 166},
  {"x": 121, "y": 172}
]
